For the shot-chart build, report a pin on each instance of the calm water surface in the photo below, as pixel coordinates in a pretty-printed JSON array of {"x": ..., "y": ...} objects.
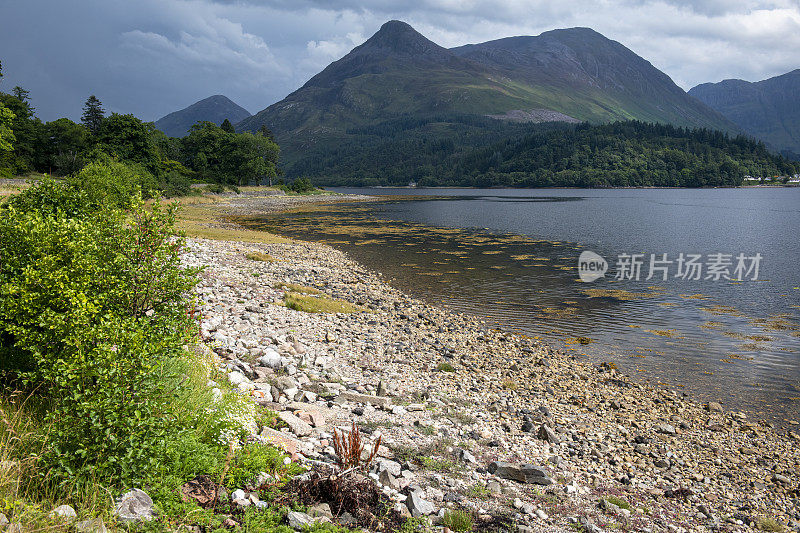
[{"x": 510, "y": 256}]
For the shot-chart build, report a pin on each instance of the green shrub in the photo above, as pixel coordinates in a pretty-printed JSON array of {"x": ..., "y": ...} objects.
[
  {"x": 93, "y": 317},
  {"x": 255, "y": 458},
  {"x": 110, "y": 182},
  {"x": 457, "y": 520},
  {"x": 619, "y": 502},
  {"x": 445, "y": 367},
  {"x": 301, "y": 185}
]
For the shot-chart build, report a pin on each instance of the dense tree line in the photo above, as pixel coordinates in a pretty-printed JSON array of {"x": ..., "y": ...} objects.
[
  {"x": 209, "y": 153},
  {"x": 475, "y": 151}
]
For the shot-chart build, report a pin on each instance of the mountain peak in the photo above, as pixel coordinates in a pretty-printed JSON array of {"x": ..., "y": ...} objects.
[
  {"x": 398, "y": 37},
  {"x": 213, "y": 109}
]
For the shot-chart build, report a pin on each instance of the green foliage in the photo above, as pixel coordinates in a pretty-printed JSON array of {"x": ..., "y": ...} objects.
[
  {"x": 229, "y": 158},
  {"x": 227, "y": 127},
  {"x": 108, "y": 181},
  {"x": 254, "y": 458},
  {"x": 130, "y": 140},
  {"x": 301, "y": 185},
  {"x": 768, "y": 524},
  {"x": 94, "y": 318},
  {"x": 444, "y": 366},
  {"x": 619, "y": 502},
  {"x": 6, "y": 133},
  {"x": 93, "y": 114},
  {"x": 458, "y": 520}
]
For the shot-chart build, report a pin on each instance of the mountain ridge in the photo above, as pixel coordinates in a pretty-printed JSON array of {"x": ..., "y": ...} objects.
[{"x": 768, "y": 109}]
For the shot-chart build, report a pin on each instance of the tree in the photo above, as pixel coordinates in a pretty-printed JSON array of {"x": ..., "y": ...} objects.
[
  {"x": 93, "y": 114},
  {"x": 1, "y": 71},
  {"x": 6, "y": 133},
  {"x": 266, "y": 132},
  {"x": 227, "y": 127},
  {"x": 130, "y": 140}
]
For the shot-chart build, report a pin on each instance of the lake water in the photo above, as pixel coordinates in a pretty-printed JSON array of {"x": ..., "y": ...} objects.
[{"x": 511, "y": 256}]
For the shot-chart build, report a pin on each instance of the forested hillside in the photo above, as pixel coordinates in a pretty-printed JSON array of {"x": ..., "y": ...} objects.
[{"x": 468, "y": 151}]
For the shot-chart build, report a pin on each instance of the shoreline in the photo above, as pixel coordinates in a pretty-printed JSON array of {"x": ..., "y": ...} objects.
[{"x": 602, "y": 434}]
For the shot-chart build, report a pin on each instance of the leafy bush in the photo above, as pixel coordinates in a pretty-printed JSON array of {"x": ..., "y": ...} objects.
[
  {"x": 110, "y": 182},
  {"x": 301, "y": 185},
  {"x": 255, "y": 458}
]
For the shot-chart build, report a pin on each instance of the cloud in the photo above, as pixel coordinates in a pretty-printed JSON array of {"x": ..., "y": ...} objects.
[{"x": 152, "y": 57}]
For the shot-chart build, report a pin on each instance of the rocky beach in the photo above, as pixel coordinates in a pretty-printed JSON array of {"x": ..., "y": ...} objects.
[{"x": 520, "y": 435}]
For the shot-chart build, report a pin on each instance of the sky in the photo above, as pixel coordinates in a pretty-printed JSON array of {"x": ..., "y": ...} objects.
[{"x": 152, "y": 57}]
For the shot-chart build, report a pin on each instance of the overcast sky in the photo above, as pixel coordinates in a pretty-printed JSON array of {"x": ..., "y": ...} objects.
[{"x": 151, "y": 57}]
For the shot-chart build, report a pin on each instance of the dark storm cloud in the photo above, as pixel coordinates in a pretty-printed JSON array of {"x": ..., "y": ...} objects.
[{"x": 152, "y": 57}]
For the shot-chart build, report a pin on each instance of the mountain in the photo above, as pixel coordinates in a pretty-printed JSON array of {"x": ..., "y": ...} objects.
[
  {"x": 768, "y": 109},
  {"x": 581, "y": 73},
  {"x": 571, "y": 74},
  {"x": 213, "y": 109}
]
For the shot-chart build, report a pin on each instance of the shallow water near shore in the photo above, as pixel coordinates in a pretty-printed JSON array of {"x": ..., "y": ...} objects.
[{"x": 511, "y": 256}]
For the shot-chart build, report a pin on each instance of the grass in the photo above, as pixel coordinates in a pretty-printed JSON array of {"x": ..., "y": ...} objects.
[
  {"x": 439, "y": 465},
  {"x": 619, "y": 502},
  {"x": 199, "y": 217},
  {"x": 768, "y": 524},
  {"x": 479, "y": 491},
  {"x": 319, "y": 304},
  {"x": 458, "y": 520},
  {"x": 259, "y": 256},
  {"x": 510, "y": 385},
  {"x": 296, "y": 287},
  {"x": 445, "y": 367}
]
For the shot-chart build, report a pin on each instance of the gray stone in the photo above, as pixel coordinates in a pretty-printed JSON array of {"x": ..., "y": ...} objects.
[
  {"x": 388, "y": 480},
  {"x": 418, "y": 506},
  {"x": 93, "y": 525},
  {"x": 237, "y": 378},
  {"x": 321, "y": 509},
  {"x": 270, "y": 359},
  {"x": 238, "y": 494},
  {"x": 3, "y": 520},
  {"x": 296, "y": 425},
  {"x": 467, "y": 457},
  {"x": 666, "y": 429},
  {"x": 547, "y": 434},
  {"x": 135, "y": 506},
  {"x": 714, "y": 407},
  {"x": 298, "y": 520},
  {"x": 780, "y": 478},
  {"x": 377, "y": 401},
  {"x": 387, "y": 465},
  {"x": 65, "y": 512},
  {"x": 527, "y": 473}
]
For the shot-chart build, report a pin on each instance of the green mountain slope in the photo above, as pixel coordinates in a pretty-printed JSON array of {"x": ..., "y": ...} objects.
[
  {"x": 400, "y": 73},
  {"x": 213, "y": 109},
  {"x": 582, "y": 73},
  {"x": 768, "y": 109}
]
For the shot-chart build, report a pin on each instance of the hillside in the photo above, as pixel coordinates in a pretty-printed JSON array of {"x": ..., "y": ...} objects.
[
  {"x": 574, "y": 74},
  {"x": 212, "y": 109},
  {"x": 768, "y": 109}
]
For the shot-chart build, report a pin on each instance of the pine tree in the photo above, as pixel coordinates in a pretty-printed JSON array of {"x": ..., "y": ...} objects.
[
  {"x": 227, "y": 127},
  {"x": 266, "y": 132},
  {"x": 1, "y": 71},
  {"x": 93, "y": 114}
]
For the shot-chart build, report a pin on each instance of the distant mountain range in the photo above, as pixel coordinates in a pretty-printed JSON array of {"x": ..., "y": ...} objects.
[
  {"x": 571, "y": 74},
  {"x": 768, "y": 110},
  {"x": 213, "y": 109}
]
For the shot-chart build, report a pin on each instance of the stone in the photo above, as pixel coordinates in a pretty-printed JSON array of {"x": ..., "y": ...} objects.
[
  {"x": 296, "y": 425},
  {"x": 320, "y": 509},
  {"x": 547, "y": 434},
  {"x": 527, "y": 473},
  {"x": 237, "y": 378},
  {"x": 393, "y": 467},
  {"x": 418, "y": 506},
  {"x": 298, "y": 520},
  {"x": 270, "y": 359},
  {"x": 93, "y": 525},
  {"x": 377, "y": 401},
  {"x": 780, "y": 478},
  {"x": 467, "y": 457},
  {"x": 3, "y": 521},
  {"x": 238, "y": 494},
  {"x": 285, "y": 441},
  {"x": 666, "y": 429},
  {"x": 388, "y": 480},
  {"x": 135, "y": 506},
  {"x": 65, "y": 512},
  {"x": 714, "y": 407}
]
